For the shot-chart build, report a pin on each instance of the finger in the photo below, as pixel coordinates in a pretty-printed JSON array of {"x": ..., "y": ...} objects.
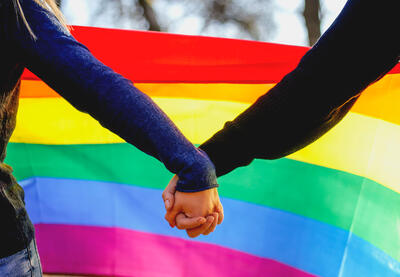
[
  {"x": 213, "y": 225},
  {"x": 170, "y": 216},
  {"x": 168, "y": 194},
  {"x": 184, "y": 222},
  {"x": 220, "y": 212},
  {"x": 199, "y": 230},
  {"x": 168, "y": 200}
]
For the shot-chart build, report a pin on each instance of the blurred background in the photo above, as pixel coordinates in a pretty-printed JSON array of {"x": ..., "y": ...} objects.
[{"x": 296, "y": 22}]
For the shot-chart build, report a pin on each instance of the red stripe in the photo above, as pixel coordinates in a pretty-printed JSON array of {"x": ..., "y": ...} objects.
[
  {"x": 159, "y": 57},
  {"x": 395, "y": 70},
  {"x": 121, "y": 252},
  {"x": 151, "y": 57}
]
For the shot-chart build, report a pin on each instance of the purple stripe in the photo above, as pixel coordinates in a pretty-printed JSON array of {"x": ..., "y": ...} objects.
[{"x": 120, "y": 252}]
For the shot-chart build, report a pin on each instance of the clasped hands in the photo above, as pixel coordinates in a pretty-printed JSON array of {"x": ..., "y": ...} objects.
[{"x": 196, "y": 212}]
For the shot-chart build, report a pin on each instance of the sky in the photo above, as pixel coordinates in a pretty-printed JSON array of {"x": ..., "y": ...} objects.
[{"x": 289, "y": 24}]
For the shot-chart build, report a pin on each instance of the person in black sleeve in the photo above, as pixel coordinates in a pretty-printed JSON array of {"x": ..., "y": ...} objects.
[{"x": 359, "y": 48}]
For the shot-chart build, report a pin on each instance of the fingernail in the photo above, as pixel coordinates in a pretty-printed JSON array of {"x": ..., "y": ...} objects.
[{"x": 167, "y": 203}]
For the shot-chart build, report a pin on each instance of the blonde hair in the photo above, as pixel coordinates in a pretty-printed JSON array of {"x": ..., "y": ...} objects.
[{"x": 49, "y": 5}]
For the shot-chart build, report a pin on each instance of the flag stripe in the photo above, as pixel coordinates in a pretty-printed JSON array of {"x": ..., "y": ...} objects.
[{"x": 188, "y": 58}]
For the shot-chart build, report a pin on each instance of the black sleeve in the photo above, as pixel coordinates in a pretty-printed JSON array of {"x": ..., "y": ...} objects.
[{"x": 361, "y": 46}]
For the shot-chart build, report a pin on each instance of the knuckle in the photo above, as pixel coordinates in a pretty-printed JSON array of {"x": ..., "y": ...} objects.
[{"x": 192, "y": 234}]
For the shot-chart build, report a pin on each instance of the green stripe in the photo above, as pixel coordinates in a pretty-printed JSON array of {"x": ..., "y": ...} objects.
[{"x": 324, "y": 194}]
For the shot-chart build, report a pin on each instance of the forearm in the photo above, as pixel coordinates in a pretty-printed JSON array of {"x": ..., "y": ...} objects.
[
  {"x": 318, "y": 93},
  {"x": 126, "y": 111},
  {"x": 131, "y": 114}
]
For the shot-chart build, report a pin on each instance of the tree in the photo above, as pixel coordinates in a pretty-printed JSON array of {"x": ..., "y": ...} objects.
[
  {"x": 138, "y": 12},
  {"x": 312, "y": 17},
  {"x": 251, "y": 18},
  {"x": 149, "y": 15},
  {"x": 248, "y": 19}
]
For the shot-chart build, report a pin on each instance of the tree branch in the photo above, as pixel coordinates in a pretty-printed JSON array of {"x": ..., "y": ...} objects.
[
  {"x": 149, "y": 15},
  {"x": 312, "y": 17}
]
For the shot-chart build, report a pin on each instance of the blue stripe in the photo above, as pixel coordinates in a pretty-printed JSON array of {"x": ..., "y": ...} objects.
[{"x": 301, "y": 242}]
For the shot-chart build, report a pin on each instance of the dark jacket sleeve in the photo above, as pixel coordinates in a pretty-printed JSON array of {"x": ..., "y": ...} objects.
[
  {"x": 360, "y": 47},
  {"x": 70, "y": 69}
]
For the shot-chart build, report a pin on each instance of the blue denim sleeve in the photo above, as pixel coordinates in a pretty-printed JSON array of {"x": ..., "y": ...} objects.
[{"x": 69, "y": 68}]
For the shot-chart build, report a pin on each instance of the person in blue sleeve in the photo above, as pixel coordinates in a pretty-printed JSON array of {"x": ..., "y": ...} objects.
[{"x": 33, "y": 35}]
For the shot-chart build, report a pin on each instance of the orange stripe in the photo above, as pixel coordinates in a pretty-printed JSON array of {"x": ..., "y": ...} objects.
[
  {"x": 245, "y": 93},
  {"x": 380, "y": 100},
  {"x": 36, "y": 89}
]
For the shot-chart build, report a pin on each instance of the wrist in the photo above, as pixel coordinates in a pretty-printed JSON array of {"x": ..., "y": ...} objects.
[
  {"x": 198, "y": 175},
  {"x": 227, "y": 150}
]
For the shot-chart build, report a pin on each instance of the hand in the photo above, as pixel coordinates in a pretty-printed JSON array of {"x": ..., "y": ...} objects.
[{"x": 187, "y": 210}]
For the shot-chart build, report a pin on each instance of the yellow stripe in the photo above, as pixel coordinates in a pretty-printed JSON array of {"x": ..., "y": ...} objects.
[
  {"x": 379, "y": 100},
  {"x": 360, "y": 145},
  {"x": 54, "y": 121}
]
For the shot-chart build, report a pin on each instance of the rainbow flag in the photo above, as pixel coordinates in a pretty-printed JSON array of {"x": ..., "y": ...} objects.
[{"x": 332, "y": 209}]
